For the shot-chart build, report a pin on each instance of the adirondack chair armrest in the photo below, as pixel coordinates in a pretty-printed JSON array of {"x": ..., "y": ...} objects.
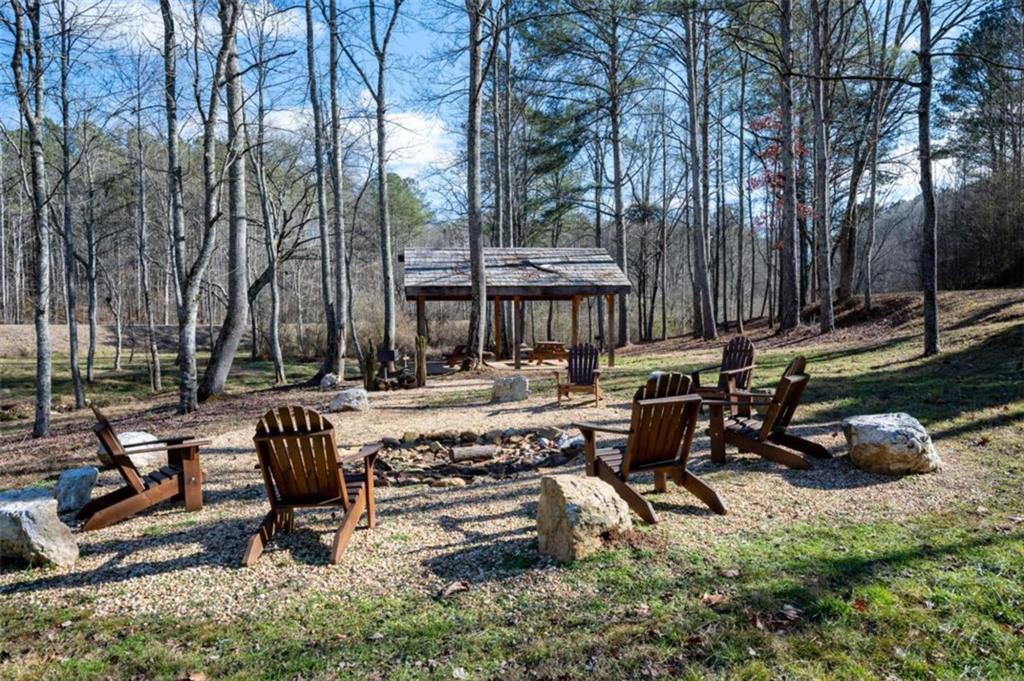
[
  {"x": 367, "y": 454},
  {"x": 740, "y": 370},
  {"x": 710, "y": 367},
  {"x": 164, "y": 441},
  {"x": 669, "y": 400},
  {"x": 752, "y": 397},
  {"x": 593, "y": 427},
  {"x": 168, "y": 447},
  {"x": 597, "y": 373}
]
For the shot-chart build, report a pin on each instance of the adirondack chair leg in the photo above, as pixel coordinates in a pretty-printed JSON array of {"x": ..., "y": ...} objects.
[
  {"x": 132, "y": 505},
  {"x": 191, "y": 480},
  {"x": 348, "y": 526},
  {"x": 703, "y": 491},
  {"x": 108, "y": 499},
  {"x": 660, "y": 481},
  {"x": 801, "y": 445},
  {"x": 371, "y": 500},
  {"x": 640, "y": 506},
  {"x": 590, "y": 451},
  {"x": 272, "y": 522},
  {"x": 716, "y": 432},
  {"x": 777, "y": 454}
]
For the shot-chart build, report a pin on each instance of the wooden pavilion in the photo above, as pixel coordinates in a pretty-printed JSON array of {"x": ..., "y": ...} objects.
[{"x": 517, "y": 274}]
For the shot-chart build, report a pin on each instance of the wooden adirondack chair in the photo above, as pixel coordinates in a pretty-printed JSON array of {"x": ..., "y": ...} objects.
[
  {"x": 660, "y": 434},
  {"x": 181, "y": 478},
  {"x": 302, "y": 468},
  {"x": 583, "y": 375},
  {"x": 734, "y": 373},
  {"x": 767, "y": 437}
]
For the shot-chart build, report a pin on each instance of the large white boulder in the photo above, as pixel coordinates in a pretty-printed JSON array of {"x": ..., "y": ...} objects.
[
  {"x": 74, "y": 488},
  {"x": 891, "y": 444},
  {"x": 576, "y": 514},
  {"x": 143, "y": 461},
  {"x": 31, "y": 531},
  {"x": 510, "y": 389},
  {"x": 352, "y": 399}
]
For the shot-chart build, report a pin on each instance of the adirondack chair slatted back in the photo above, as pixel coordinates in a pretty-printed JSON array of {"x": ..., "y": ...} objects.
[
  {"x": 662, "y": 432},
  {"x": 784, "y": 403},
  {"x": 299, "y": 457},
  {"x": 583, "y": 362},
  {"x": 664, "y": 384},
  {"x": 738, "y": 353},
  {"x": 107, "y": 436}
]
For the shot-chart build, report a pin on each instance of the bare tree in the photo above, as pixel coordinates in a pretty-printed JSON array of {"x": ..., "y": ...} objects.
[
  {"x": 29, "y": 88},
  {"x": 822, "y": 205},
  {"x": 476, "y": 11},
  {"x": 233, "y": 327}
]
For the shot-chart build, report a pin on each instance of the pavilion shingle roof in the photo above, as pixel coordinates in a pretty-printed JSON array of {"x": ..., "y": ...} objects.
[{"x": 533, "y": 273}]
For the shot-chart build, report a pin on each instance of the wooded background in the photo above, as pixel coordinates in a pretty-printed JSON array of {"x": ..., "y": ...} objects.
[{"x": 233, "y": 170}]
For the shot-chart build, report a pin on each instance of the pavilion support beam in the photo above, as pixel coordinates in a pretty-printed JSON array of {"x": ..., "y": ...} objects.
[
  {"x": 610, "y": 331},
  {"x": 575, "y": 321},
  {"x": 421, "y": 317},
  {"x": 517, "y": 305},
  {"x": 497, "y": 328}
]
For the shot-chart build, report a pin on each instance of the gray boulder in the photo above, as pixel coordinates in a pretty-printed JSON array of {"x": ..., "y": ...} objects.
[
  {"x": 328, "y": 381},
  {"x": 74, "y": 488},
  {"x": 352, "y": 399},
  {"x": 143, "y": 461},
  {"x": 31, "y": 531},
  {"x": 890, "y": 444},
  {"x": 510, "y": 389},
  {"x": 576, "y": 514}
]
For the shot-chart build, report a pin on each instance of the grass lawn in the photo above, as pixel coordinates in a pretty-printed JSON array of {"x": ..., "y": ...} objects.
[{"x": 897, "y": 595}]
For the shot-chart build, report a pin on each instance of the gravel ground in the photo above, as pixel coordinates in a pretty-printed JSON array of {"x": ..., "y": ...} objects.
[{"x": 169, "y": 562}]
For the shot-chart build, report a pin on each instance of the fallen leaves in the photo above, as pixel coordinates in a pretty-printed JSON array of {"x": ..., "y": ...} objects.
[
  {"x": 714, "y": 599},
  {"x": 452, "y": 589}
]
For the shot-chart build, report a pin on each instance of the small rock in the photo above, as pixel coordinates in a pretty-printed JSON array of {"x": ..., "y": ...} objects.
[
  {"x": 436, "y": 447},
  {"x": 74, "y": 488},
  {"x": 390, "y": 442},
  {"x": 352, "y": 399},
  {"x": 568, "y": 442},
  {"x": 328, "y": 381},
  {"x": 575, "y": 514},
  {"x": 544, "y": 443},
  {"x": 515, "y": 439},
  {"x": 144, "y": 461},
  {"x": 891, "y": 444},
  {"x": 448, "y": 482},
  {"x": 493, "y": 435},
  {"x": 468, "y": 436},
  {"x": 410, "y": 437},
  {"x": 30, "y": 529},
  {"x": 550, "y": 433},
  {"x": 510, "y": 389},
  {"x": 472, "y": 453}
]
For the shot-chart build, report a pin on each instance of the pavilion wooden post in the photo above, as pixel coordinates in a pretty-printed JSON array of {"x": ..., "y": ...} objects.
[
  {"x": 517, "y": 304},
  {"x": 421, "y": 316},
  {"x": 575, "y": 321},
  {"x": 610, "y": 331},
  {"x": 497, "y": 328}
]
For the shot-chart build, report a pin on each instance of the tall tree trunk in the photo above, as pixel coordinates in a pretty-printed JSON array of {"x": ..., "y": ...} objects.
[
  {"x": 789, "y": 314},
  {"x": 70, "y": 262},
  {"x": 91, "y": 266},
  {"x": 822, "y": 207},
  {"x": 142, "y": 228},
  {"x": 384, "y": 208},
  {"x": 31, "y": 102},
  {"x": 235, "y": 319},
  {"x": 478, "y": 306},
  {"x": 929, "y": 259},
  {"x": 709, "y": 328},
  {"x": 740, "y": 189},
  {"x": 341, "y": 302},
  {"x": 326, "y": 276}
]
